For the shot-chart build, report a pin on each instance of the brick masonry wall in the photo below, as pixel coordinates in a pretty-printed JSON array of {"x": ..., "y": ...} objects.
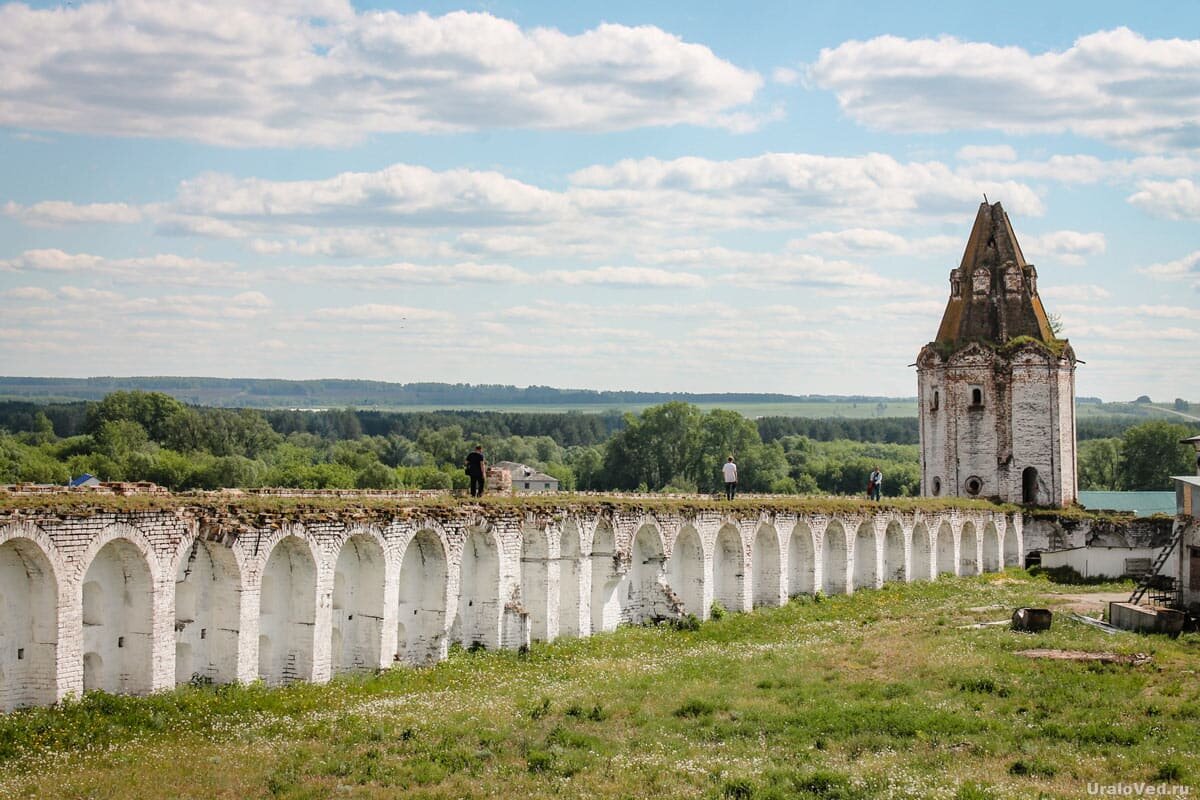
[{"x": 284, "y": 599}]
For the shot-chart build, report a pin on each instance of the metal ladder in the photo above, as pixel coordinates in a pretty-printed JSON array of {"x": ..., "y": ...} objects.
[{"x": 1146, "y": 580}]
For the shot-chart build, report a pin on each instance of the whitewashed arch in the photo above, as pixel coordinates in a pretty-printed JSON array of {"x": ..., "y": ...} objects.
[
  {"x": 209, "y": 592},
  {"x": 687, "y": 570},
  {"x": 993, "y": 555},
  {"x": 1014, "y": 552},
  {"x": 947, "y": 545},
  {"x": 968, "y": 549},
  {"x": 358, "y": 606},
  {"x": 646, "y": 599},
  {"x": 570, "y": 580},
  {"x": 864, "y": 557},
  {"x": 287, "y": 595},
  {"x": 422, "y": 598},
  {"x": 479, "y": 607},
  {"x": 29, "y": 621},
  {"x": 835, "y": 557},
  {"x": 895, "y": 566},
  {"x": 802, "y": 560},
  {"x": 118, "y": 601},
  {"x": 606, "y": 576},
  {"x": 767, "y": 567},
  {"x": 729, "y": 568},
  {"x": 535, "y": 579}
]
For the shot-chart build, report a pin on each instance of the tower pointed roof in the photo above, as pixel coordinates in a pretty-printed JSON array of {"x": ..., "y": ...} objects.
[{"x": 993, "y": 293}]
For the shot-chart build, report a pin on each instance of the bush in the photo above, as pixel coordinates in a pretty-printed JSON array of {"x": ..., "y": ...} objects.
[{"x": 717, "y": 611}]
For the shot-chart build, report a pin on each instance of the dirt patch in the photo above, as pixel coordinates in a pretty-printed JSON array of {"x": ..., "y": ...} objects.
[
  {"x": 1086, "y": 601},
  {"x": 1134, "y": 660}
]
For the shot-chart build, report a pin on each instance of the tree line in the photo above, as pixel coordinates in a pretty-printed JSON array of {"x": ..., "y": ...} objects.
[{"x": 674, "y": 446}]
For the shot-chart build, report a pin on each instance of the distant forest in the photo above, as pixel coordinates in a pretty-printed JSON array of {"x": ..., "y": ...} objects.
[
  {"x": 672, "y": 446},
  {"x": 331, "y": 393}
]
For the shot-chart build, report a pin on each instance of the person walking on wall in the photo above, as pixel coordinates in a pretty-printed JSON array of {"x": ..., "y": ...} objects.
[
  {"x": 729, "y": 471},
  {"x": 476, "y": 469},
  {"x": 875, "y": 484}
]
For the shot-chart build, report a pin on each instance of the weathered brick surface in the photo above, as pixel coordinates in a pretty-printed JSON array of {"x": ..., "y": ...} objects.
[{"x": 174, "y": 596}]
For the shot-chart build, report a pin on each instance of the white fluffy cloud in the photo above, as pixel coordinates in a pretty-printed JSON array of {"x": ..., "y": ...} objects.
[
  {"x": 164, "y": 268},
  {"x": 290, "y": 73},
  {"x": 1115, "y": 85},
  {"x": 53, "y": 213},
  {"x": 1178, "y": 199},
  {"x": 1186, "y": 268},
  {"x": 1064, "y": 247},
  {"x": 765, "y": 190}
]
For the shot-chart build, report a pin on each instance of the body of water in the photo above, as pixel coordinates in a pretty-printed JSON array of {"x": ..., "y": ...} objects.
[{"x": 1144, "y": 503}]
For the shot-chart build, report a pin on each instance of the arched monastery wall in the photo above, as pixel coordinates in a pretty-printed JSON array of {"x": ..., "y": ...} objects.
[{"x": 144, "y": 600}]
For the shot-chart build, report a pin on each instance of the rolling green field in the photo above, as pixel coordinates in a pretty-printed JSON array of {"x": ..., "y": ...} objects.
[{"x": 881, "y": 695}]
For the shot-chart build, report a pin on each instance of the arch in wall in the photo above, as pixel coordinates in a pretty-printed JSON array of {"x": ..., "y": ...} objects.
[
  {"x": 606, "y": 607},
  {"x": 356, "y": 632},
  {"x": 866, "y": 560},
  {"x": 535, "y": 580},
  {"x": 835, "y": 557},
  {"x": 208, "y": 613},
  {"x": 729, "y": 568},
  {"x": 893, "y": 552},
  {"x": 922, "y": 554},
  {"x": 1012, "y": 547},
  {"x": 28, "y": 625},
  {"x": 118, "y": 623},
  {"x": 767, "y": 570},
  {"x": 421, "y": 610},
  {"x": 687, "y": 571},
  {"x": 1029, "y": 485},
  {"x": 287, "y": 611},
  {"x": 968, "y": 550},
  {"x": 993, "y": 557},
  {"x": 945, "y": 549},
  {"x": 646, "y": 599},
  {"x": 802, "y": 562},
  {"x": 570, "y": 572},
  {"x": 477, "y": 620}
]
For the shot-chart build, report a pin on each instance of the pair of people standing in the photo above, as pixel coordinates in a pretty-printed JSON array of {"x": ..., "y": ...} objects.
[{"x": 875, "y": 484}]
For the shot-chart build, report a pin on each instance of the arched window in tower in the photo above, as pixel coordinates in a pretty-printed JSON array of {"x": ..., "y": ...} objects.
[
  {"x": 936, "y": 398},
  {"x": 1029, "y": 485},
  {"x": 976, "y": 396}
]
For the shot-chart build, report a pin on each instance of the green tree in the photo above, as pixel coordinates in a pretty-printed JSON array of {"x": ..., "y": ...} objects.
[
  {"x": 1100, "y": 465},
  {"x": 656, "y": 449},
  {"x": 1151, "y": 453},
  {"x": 376, "y": 476}
]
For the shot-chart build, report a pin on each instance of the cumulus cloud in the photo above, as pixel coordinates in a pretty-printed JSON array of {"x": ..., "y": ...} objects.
[
  {"x": 630, "y": 277},
  {"x": 1117, "y": 86},
  {"x": 53, "y": 213},
  {"x": 785, "y": 186},
  {"x": 289, "y": 73},
  {"x": 380, "y": 312},
  {"x": 998, "y": 152},
  {"x": 1082, "y": 169},
  {"x": 1064, "y": 247},
  {"x": 162, "y": 268},
  {"x": 1178, "y": 199},
  {"x": 385, "y": 275},
  {"x": 1186, "y": 268},
  {"x": 870, "y": 241}
]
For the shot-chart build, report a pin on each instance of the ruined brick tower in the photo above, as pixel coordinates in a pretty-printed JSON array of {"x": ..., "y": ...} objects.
[{"x": 996, "y": 388}]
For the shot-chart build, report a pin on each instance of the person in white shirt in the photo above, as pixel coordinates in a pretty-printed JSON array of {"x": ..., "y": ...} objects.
[
  {"x": 729, "y": 470},
  {"x": 875, "y": 484}
]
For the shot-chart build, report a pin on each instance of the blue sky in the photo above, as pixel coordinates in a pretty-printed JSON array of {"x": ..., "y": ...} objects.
[{"x": 691, "y": 197}]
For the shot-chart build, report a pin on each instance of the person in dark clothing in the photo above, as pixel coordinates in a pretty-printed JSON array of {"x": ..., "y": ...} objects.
[{"x": 476, "y": 468}]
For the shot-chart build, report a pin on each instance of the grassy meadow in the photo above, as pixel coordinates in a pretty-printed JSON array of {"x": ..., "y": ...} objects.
[{"x": 881, "y": 695}]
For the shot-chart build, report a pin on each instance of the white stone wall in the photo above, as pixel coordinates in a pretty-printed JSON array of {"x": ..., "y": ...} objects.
[{"x": 140, "y": 602}]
